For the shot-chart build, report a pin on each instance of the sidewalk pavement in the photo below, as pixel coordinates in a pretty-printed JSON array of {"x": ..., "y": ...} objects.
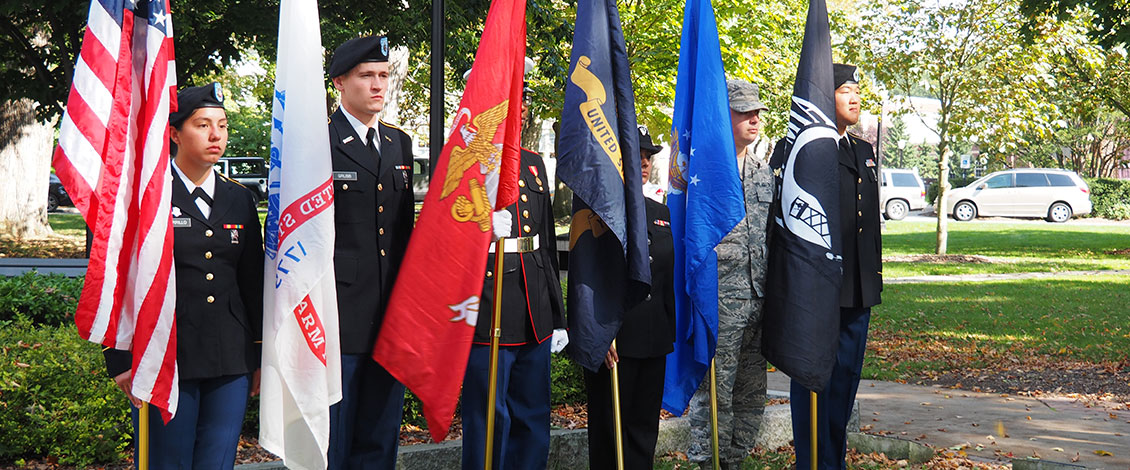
[
  {"x": 1055, "y": 429},
  {"x": 998, "y": 277}
]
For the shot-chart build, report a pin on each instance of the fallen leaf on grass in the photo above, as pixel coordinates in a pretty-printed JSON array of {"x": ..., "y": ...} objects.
[
  {"x": 1104, "y": 453},
  {"x": 1057, "y": 449}
]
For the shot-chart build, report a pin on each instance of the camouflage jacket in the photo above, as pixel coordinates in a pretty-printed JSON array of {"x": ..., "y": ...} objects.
[{"x": 742, "y": 253}]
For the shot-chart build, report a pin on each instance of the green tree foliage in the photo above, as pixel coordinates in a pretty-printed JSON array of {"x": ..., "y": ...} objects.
[
  {"x": 1110, "y": 25},
  {"x": 39, "y": 42},
  {"x": 968, "y": 55},
  {"x": 760, "y": 43}
]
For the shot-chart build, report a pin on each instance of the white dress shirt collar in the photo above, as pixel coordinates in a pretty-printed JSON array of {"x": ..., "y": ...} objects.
[{"x": 361, "y": 129}]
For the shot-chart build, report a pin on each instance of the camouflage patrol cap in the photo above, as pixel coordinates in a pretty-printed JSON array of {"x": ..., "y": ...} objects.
[{"x": 744, "y": 96}]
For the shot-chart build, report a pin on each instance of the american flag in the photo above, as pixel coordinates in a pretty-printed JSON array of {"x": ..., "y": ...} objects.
[{"x": 113, "y": 159}]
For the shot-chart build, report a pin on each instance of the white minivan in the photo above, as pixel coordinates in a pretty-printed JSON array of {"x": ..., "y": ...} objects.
[
  {"x": 902, "y": 192},
  {"x": 1055, "y": 195}
]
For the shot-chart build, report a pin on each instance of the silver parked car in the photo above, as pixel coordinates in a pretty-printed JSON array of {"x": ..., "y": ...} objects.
[
  {"x": 1055, "y": 195},
  {"x": 902, "y": 192}
]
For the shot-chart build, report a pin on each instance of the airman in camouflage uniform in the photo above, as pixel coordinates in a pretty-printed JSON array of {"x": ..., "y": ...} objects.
[{"x": 739, "y": 365}]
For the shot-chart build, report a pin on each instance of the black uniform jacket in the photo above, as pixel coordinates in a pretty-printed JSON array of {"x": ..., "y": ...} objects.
[
  {"x": 531, "y": 291},
  {"x": 859, "y": 222},
  {"x": 373, "y": 216},
  {"x": 219, "y": 278},
  {"x": 649, "y": 328}
]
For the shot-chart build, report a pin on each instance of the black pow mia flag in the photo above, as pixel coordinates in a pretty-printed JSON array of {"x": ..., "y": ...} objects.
[{"x": 802, "y": 311}]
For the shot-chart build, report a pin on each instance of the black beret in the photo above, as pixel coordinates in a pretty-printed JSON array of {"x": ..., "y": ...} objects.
[
  {"x": 844, "y": 74},
  {"x": 195, "y": 97},
  {"x": 645, "y": 143},
  {"x": 358, "y": 50}
]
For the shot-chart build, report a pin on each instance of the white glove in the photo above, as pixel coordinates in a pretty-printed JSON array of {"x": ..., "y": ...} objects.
[
  {"x": 501, "y": 221},
  {"x": 559, "y": 341}
]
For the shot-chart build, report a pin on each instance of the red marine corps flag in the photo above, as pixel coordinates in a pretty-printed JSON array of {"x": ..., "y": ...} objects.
[{"x": 426, "y": 335}]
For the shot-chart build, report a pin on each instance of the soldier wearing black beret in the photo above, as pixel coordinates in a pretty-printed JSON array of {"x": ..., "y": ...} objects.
[
  {"x": 218, "y": 257},
  {"x": 862, "y": 283},
  {"x": 373, "y": 216}
]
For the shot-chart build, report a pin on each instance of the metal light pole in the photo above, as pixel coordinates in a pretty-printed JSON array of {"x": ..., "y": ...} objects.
[{"x": 435, "y": 126}]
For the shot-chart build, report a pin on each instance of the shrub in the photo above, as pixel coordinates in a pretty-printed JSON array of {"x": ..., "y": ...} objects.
[
  {"x": 567, "y": 382},
  {"x": 932, "y": 187},
  {"x": 1110, "y": 198},
  {"x": 43, "y": 299},
  {"x": 55, "y": 398}
]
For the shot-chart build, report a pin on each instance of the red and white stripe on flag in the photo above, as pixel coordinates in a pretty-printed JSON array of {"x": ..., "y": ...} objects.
[
  {"x": 113, "y": 159},
  {"x": 301, "y": 374}
]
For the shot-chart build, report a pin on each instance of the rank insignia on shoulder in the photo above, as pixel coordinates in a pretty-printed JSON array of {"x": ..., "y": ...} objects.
[
  {"x": 870, "y": 163},
  {"x": 234, "y": 226},
  {"x": 662, "y": 223}
]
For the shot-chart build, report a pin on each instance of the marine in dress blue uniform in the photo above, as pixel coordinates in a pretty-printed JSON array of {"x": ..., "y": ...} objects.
[
  {"x": 646, "y": 336},
  {"x": 218, "y": 257},
  {"x": 862, "y": 284},
  {"x": 373, "y": 217},
  {"x": 532, "y": 309}
]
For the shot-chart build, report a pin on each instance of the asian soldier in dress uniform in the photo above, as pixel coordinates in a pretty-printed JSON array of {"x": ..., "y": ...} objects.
[
  {"x": 533, "y": 326},
  {"x": 218, "y": 257},
  {"x": 640, "y": 354},
  {"x": 742, "y": 267},
  {"x": 373, "y": 216},
  {"x": 862, "y": 283}
]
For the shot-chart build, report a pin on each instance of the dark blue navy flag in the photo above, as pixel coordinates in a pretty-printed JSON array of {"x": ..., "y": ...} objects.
[
  {"x": 705, "y": 199},
  {"x": 599, "y": 159},
  {"x": 802, "y": 301}
]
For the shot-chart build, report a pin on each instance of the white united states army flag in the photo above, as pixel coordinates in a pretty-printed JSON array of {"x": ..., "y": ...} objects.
[{"x": 301, "y": 355}]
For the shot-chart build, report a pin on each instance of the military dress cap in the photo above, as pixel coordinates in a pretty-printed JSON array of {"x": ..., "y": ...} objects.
[
  {"x": 358, "y": 50},
  {"x": 844, "y": 74},
  {"x": 192, "y": 98},
  {"x": 646, "y": 144},
  {"x": 744, "y": 96}
]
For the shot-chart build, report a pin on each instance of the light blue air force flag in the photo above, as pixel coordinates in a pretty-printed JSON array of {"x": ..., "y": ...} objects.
[
  {"x": 800, "y": 324},
  {"x": 705, "y": 199}
]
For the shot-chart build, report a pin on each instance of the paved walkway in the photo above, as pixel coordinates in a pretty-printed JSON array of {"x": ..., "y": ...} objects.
[
  {"x": 999, "y": 277},
  {"x": 1054, "y": 428}
]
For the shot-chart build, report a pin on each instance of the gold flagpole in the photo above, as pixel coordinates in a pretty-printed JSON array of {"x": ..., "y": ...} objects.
[
  {"x": 495, "y": 336},
  {"x": 143, "y": 437},
  {"x": 523, "y": 244},
  {"x": 714, "y": 413},
  {"x": 616, "y": 415},
  {"x": 812, "y": 424}
]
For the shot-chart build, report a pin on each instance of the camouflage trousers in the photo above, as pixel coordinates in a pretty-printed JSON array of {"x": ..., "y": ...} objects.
[{"x": 740, "y": 370}]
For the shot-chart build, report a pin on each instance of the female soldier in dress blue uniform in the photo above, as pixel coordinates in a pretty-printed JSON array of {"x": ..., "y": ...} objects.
[
  {"x": 218, "y": 254},
  {"x": 645, "y": 338}
]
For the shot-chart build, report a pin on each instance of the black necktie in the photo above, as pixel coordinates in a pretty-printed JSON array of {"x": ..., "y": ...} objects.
[
  {"x": 374, "y": 143},
  {"x": 845, "y": 145},
  {"x": 200, "y": 194}
]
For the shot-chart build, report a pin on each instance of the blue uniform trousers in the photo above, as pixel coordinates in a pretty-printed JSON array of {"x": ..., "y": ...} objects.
[
  {"x": 365, "y": 424},
  {"x": 834, "y": 405},
  {"x": 204, "y": 434},
  {"x": 521, "y": 422}
]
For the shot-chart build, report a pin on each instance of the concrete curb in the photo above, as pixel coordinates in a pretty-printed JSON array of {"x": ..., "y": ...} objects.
[
  {"x": 893, "y": 447},
  {"x": 568, "y": 449},
  {"x": 1039, "y": 464}
]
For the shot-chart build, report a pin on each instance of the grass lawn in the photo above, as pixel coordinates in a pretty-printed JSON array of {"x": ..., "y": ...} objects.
[
  {"x": 67, "y": 224},
  {"x": 1013, "y": 247},
  {"x": 939, "y": 327}
]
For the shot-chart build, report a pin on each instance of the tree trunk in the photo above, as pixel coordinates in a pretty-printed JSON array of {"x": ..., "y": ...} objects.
[
  {"x": 25, "y": 166},
  {"x": 943, "y": 193}
]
